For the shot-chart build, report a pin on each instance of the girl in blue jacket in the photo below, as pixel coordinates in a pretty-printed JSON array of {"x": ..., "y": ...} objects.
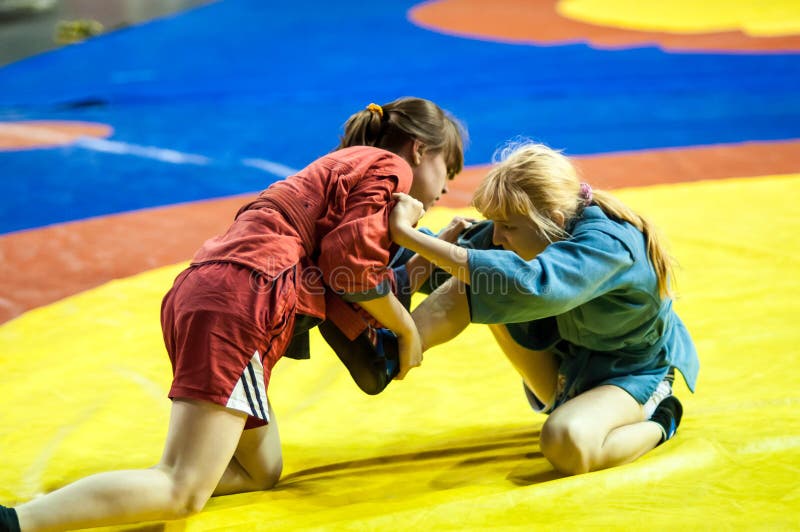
[{"x": 575, "y": 287}]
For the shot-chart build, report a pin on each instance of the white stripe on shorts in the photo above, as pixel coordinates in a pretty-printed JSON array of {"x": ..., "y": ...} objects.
[
  {"x": 250, "y": 394},
  {"x": 663, "y": 391}
]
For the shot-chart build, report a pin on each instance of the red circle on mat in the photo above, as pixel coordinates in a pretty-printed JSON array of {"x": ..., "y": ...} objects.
[{"x": 44, "y": 134}]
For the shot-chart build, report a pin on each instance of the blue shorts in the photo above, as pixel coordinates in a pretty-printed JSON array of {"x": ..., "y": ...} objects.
[{"x": 647, "y": 387}]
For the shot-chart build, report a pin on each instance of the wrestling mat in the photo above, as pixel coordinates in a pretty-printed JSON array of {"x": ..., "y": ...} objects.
[{"x": 693, "y": 119}]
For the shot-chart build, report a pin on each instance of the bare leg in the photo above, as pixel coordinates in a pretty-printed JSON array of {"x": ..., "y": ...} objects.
[
  {"x": 539, "y": 369},
  {"x": 257, "y": 463},
  {"x": 445, "y": 313},
  {"x": 200, "y": 443},
  {"x": 600, "y": 428},
  {"x": 442, "y": 315}
]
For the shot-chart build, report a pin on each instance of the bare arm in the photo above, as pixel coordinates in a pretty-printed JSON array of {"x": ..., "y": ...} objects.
[
  {"x": 419, "y": 268},
  {"x": 390, "y": 312},
  {"x": 451, "y": 258}
]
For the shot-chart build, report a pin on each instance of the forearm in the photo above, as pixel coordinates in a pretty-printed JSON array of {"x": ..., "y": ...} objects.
[
  {"x": 418, "y": 269},
  {"x": 390, "y": 313},
  {"x": 449, "y": 257},
  {"x": 442, "y": 315}
]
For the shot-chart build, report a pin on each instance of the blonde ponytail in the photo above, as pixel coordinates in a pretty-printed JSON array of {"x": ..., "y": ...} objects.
[{"x": 662, "y": 261}]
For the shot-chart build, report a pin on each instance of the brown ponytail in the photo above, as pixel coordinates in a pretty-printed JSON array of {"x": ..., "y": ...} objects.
[
  {"x": 391, "y": 126},
  {"x": 364, "y": 128}
]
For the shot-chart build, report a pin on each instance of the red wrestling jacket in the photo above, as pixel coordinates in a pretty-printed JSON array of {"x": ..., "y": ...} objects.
[{"x": 330, "y": 221}]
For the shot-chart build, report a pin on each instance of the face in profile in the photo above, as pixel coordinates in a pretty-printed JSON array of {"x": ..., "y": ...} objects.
[
  {"x": 430, "y": 179},
  {"x": 519, "y": 234}
]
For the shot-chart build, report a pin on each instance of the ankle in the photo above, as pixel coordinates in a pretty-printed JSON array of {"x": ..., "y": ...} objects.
[{"x": 667, "y": 416}]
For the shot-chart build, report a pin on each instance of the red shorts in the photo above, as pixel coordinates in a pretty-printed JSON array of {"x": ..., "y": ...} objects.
[{"x": 225, "y": 327}]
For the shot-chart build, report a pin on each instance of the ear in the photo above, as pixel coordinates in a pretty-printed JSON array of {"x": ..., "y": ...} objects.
[
  {"x": 559, "y": 218},
  {"x": 417, "y": 149}
]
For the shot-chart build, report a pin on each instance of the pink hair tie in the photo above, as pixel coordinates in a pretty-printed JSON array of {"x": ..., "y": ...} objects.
[{"x": 586, "y": 194}]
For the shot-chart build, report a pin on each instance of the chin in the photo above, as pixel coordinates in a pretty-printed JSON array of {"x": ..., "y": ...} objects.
[{"x": 524, "y": 256}]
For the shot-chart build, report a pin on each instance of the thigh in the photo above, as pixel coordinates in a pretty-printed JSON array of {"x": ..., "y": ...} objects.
[
  {"x": 201, "y": 440},
  {"x": 259, "y": 452},
  {"x": 597, "y": 412},
  {"x": 538, "y": 369},
  {"x": 443, "y": 314}
]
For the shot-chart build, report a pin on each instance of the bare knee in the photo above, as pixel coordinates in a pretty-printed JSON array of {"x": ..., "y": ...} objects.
[
  {"x": 371, "y": 382},
  {"x": 568, "y": 446},
  {"x": 264, "y": 479},
  {"x": 186, "y": 498},
  {"x": 258, "y": 462},
  {"x": 187, "y": 501},
  {"x": 272, "y": 476},
  {"x": 186, "y": 504}
]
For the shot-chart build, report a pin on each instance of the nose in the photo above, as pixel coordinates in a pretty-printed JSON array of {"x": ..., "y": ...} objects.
[
  {"x": 444, "y": 189},
  {"x": 497, "y": 236}
]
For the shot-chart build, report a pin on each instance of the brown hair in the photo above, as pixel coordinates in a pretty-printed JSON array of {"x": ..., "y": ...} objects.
[
  {"x": 392, "y": 125},
  {"x": 534, "y": 180}
]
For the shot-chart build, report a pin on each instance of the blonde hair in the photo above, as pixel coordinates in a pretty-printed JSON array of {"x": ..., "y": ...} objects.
[
  {"x": 390, "y": 126},
  {"x": 536, "y": 181}
]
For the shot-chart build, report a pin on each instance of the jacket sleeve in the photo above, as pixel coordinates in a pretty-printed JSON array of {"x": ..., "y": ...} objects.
[
  {"x": 504, "y": 288},
  {"x": 354, "y": 255}
]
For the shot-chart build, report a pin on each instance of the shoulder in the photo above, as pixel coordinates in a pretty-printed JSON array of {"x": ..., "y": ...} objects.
[
  {"x": 368, "y": 160},
  {"x": 369, "y": 156},
  {"x": 593, "y": 218},
  {"x": 595, "y": 225}
]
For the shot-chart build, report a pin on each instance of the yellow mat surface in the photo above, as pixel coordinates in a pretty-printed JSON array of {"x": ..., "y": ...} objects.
[
  {"x": 753, "y": 17},
  {"x": 455, "y": 445}
]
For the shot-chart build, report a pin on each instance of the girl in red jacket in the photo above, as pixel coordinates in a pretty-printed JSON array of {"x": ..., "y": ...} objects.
[{"x": 232, "y": 314}]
